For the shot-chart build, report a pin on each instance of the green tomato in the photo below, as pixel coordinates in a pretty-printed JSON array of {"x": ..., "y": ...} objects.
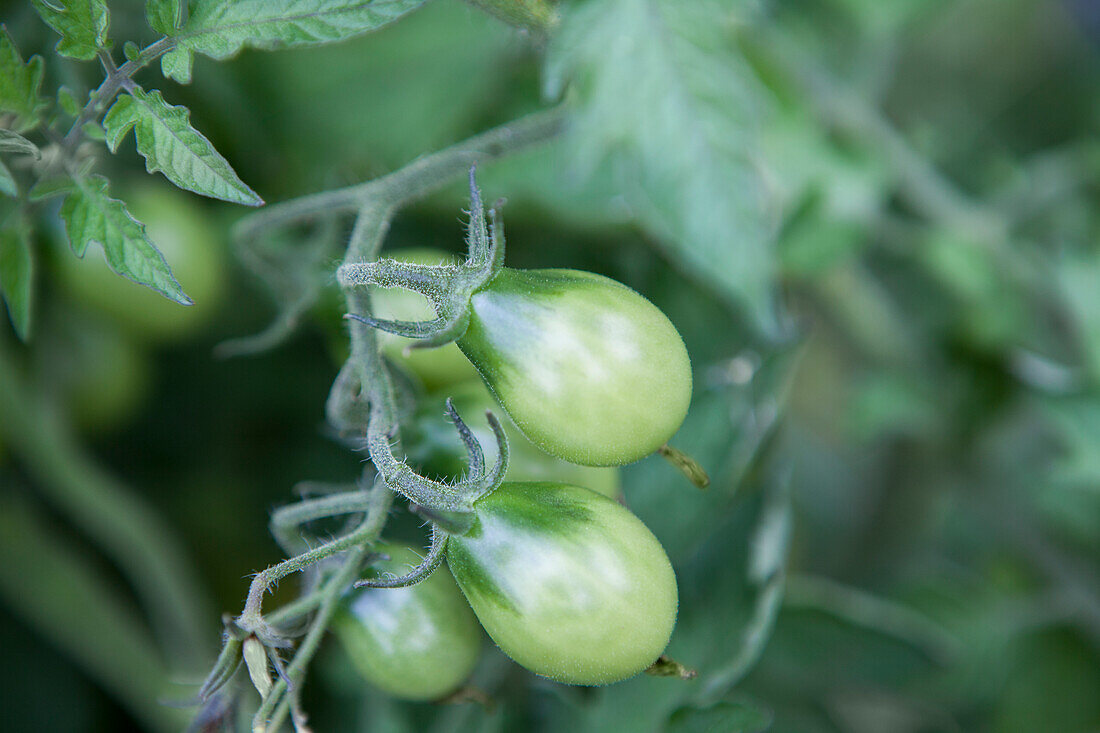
[
  {"x": 191, "y": 244},
  {"x": 109, "y": 377},
  {"x": 567, "y": 582},
  {"x": 415, "y": 643},
  {"x": 588, "y": 369},
  {"x": 435, "y": 447},
  {"x": 438, "y": 366}
]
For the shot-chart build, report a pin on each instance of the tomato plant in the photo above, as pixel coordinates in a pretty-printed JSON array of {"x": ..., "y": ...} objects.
[
  {"x": 568, "y": 583},
  {"x": 192, "y": 244},
  {"x": 587, "y": 368},
  {"x": 416, "y": 643},
  {"x": 436, "y": 448}
]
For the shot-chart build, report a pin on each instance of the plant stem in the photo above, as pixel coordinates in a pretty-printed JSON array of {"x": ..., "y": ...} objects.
[
  {"x": 116, "y": 80},
  {"x": 376, "y": 202},
  {"x": 277, "y": 702},
  {"x": 419, "y": 178},
  {"x": 287, "y": 519},
  {"x": 57, "y": 592},
  {"x": 127, "y": 529}
]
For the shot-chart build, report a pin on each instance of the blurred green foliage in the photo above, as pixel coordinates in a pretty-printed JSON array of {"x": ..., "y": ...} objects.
[{"x": 904, "y": 334}]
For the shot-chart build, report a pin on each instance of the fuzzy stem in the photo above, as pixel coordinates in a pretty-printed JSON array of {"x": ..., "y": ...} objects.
[
  {"x": 416, "y": 180},
  {"x": 271, "y": 713},
  {"x": 116, "y": 81}
]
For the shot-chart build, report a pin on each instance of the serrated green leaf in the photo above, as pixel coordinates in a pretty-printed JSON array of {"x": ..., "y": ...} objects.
[
  {"x": 93, "y": 131},
  {"x": 50, "y": 187},
  {"x": 82, "y": 24},
  {"x": 164, "y": 16},
  {"x": 91, "y": 215},
  {"x": 68, "y": 102},
  {"x": 667, "y": 104},
  {"x": 13, "y": 142},
  {"x": 8, "y": 186},
  {"x": 169, "y": 144},
  {"x": 19, "y": 83},
  {"x": 176, "y": 65},
  {"x": 17, "y": 276},
  {"x": 221, "y": 28}
]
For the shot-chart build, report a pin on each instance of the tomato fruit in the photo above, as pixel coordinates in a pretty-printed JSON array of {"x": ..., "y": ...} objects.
[
  {"x": 588, "y": 369},
  {"x": 109, "y": 379},
  {"x": 194, "y": 248},
  {"x": 437, "y": 366},
  {"x": 567, "y": 582},
  {"x": 416, "y": 643},
  {"x": 436, "y": 449}
]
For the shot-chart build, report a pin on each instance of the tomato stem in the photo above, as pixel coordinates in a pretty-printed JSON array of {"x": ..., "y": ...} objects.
[{"x": 686, "y": 465}]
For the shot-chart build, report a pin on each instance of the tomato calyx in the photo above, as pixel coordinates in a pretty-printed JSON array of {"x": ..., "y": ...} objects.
[
  {"x": 431, "y": 561},
  {"x": 447, "y": 287},
  {"x": 444, "y": 502}
]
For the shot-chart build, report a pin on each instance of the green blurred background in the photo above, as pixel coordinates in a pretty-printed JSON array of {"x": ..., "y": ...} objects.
[{"x": 930, "y": 395}]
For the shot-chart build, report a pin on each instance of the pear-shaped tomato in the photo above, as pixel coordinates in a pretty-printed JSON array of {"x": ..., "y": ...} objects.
[
  {"x": 588, "y": 369},
  {"x": 436, "y": 449},
  {"x": 567, "y": 582},
  {"x": 416, "y": 643}
]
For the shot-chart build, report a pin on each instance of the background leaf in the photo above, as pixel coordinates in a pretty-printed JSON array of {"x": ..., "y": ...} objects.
[
  {"x": 221, "y": 28},
  {"x": 169, "y": 144},
  {"x": 81, "y": 23},
  {"x": 91, "y": 215},
  {"x": 723, "y": 717},
  {"x": 669, "y": 105},
  {"x": 8, "y": 187},
  {"x": 19, "y": 83},
  {"x": 13, "y": 142},
  {"x": 17, "y": 276}
]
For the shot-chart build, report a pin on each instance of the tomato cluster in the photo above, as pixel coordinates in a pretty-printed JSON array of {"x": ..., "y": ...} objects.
[{"x": 566, "y": 581}]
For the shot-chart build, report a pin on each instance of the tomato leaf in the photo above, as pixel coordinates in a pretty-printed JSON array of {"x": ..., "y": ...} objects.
[
  {"x": 723, "y": 717},
  {"x": 668, "y": 105},
  {"x": 81, "y": 23},
  {"x": 169, "y": 144},
  {"x": 8, "y": 186},
  {"x": 13, "y": 142},
  {"x": 164, "y": 16},
  {"x": 91, "y": 215},
  {"x": 17, "y": 276},
  {"x": 221, "y": 28},
  {"x": 19, "y": 83}
]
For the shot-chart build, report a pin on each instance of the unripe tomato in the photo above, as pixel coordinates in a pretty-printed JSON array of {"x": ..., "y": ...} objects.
[
  {"x": 435, "y": 447},
  {"x": 588, "y": 369},
  {"x": 438, "y": 366},
  {"x": 568, "y": 583},
  {"x": 194, "y": 248},
  {"x": 416, "y": 643},
  {"x": 109, "y": 376}
]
